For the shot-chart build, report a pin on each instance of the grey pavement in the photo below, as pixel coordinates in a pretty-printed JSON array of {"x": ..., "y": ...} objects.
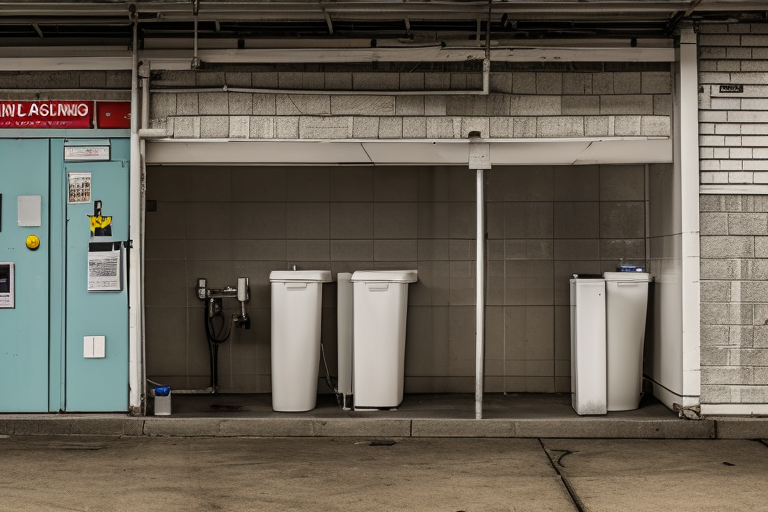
[{"x": 47, "y": 473}]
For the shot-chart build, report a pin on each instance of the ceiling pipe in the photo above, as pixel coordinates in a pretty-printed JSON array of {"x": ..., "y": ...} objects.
[{"x": 195, "y": 57}]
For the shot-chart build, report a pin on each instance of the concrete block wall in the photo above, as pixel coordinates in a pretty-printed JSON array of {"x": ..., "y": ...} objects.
[
  {"x": 77, "y": 85},
  {"x": 544, "y": 224},
  {"x": 733, "y": 139},
  {"x": 733, "y": 125},
  {"x": 522, "y": 104},
  {"x": 734, "y": 299}
]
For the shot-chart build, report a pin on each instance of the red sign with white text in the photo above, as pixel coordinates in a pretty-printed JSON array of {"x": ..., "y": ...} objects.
[{"x": 46, "y": 114}]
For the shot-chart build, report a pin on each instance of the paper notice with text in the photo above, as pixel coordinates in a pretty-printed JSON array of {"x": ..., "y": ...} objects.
[{"x": 104, "y": 271}]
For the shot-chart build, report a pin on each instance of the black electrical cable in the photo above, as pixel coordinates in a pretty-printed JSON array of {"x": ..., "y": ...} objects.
[{"x": 214, "y": 340}]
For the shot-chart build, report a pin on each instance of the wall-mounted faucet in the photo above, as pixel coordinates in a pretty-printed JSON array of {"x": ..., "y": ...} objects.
[{"x": 213, "y": 298}]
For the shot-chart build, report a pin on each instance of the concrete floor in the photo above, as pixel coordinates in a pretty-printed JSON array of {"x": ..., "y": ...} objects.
[
  {"x": 418, "y": 406},
  {"x": 52, "y": 473}
]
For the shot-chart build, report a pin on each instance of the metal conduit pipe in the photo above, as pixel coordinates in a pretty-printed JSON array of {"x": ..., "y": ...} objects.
[
  {"x": 484, "y": 91},
  {"x": 143, "y": 221},
  {"x": 135, "y": 306}
]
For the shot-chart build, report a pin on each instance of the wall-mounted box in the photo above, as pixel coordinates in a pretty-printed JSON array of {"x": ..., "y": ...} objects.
[{"x": 7, "y": 292}]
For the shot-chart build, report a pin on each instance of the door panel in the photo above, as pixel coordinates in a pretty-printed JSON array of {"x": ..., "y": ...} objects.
[
  {"x": 24, "y": 170},
  {"x": 101, "y": 383}
]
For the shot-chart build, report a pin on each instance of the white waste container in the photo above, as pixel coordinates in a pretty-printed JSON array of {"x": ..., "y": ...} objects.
[
  {"x": 380, "y": 306},
  {"x": 588, "y": 351},
  {"x": 296, "y": 312},
  {"x": 626, "y": 308}
]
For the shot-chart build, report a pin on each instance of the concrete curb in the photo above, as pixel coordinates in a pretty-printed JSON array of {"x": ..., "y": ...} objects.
[{"x": 118, "y": 425}]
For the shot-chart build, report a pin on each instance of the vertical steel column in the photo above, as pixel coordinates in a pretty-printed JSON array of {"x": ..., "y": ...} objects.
[
  {"x": 687, "y": 165},
  {"x": 479, "y": 159},
  {"x": 135, "y": 305},
  {"x": 144, "y": 76},
  {"x": 480, "y": 299}
]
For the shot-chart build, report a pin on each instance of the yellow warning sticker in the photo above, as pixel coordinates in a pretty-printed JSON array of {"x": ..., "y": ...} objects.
[{"x": 99, "y": 222}]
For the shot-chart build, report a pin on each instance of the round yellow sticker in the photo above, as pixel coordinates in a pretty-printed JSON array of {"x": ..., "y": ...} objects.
[{"x": 33, "y": 242}]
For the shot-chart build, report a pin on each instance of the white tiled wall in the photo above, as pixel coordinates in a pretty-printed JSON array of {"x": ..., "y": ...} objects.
[{"x": 544, "y": 223}]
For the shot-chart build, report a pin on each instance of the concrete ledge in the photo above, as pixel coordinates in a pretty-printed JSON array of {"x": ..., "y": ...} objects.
[
  {"x": 182, "y": 427},
  {"x": 464, "y": 428},
  {"x": 266, "y": 427},
  {"x": 75, "y": 426},
  {"x": 617, "y": 429},
  {"x": 368, "y": 427},
  {"x": 606, "y": 428},
  {"x": 742, "y": 428}
]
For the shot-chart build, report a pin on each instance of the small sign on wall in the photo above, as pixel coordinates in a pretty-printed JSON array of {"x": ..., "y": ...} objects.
[
  {"x": 86, "y": 153},
  {"x": 731, "y": 89}
]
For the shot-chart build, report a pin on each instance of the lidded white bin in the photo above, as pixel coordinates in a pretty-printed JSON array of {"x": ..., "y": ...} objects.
[
  {"x": 380, "y": 311},
  {"x": 626, "y": 308},
  {"x": 588, "y": 351},
  {"x": 296, "y": 312}
]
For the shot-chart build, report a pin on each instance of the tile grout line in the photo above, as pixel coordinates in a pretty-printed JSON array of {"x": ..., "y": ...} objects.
[{"x": 571, "y": 491}]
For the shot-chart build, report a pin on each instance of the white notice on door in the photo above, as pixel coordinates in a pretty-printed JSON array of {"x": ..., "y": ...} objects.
[{"x": 104, "y": 271}]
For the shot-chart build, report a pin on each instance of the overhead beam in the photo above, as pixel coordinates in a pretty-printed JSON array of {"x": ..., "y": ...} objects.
[
  {"x": 116, "y": 58},
  {"x": 583, "y": 151}
]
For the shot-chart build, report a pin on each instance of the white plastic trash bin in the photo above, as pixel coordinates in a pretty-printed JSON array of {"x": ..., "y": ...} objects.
[
  {"x": 296, "y": 312},
  {"x": 588, "y": 359},
  {"x": 626, "y": 308},
  {"x": 380, "y": 306}
]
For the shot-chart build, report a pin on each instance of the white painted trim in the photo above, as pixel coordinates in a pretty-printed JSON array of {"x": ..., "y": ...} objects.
[
  {"x": 666, "y": 396},
  {"x": 689, "y": 188},
  {"x": 741, "y": 189},
  {"x": 672, "y": 399},
  {"x": 407, "y": 152},
  {"x": 135, "y": 291},
  {"x": 734, "y": 409}
]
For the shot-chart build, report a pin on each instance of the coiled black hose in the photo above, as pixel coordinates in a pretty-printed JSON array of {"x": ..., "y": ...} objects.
[{"x": 214, "y": 340}]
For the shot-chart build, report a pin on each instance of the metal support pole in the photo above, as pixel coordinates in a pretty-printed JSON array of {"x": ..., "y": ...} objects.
[
  {"x": 480, "y": 299},
  {"x": 479, "y": 159},
  {"x": 135, "y": 305}
]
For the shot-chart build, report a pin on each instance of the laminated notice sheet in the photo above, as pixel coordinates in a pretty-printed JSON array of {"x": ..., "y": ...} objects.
[{"x": 104, "y": 270}]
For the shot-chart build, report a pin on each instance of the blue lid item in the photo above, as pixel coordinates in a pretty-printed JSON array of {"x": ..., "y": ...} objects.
[
  {"x": 630, "y": 268},
  {"x": 163, "y": 391}
]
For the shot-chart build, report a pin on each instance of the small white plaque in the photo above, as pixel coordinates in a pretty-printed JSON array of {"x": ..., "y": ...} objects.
[
  {"x": 29, "y": 211},
  {"x": 86, "y": 153}
]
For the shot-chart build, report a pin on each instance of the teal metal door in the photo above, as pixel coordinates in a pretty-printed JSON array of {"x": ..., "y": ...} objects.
[
  {"x": 96, "y": 382},
  {"x": 24, "y": 346}
]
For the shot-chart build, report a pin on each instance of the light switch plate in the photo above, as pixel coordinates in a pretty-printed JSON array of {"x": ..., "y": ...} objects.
[{"x": 94, "y": 347}]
